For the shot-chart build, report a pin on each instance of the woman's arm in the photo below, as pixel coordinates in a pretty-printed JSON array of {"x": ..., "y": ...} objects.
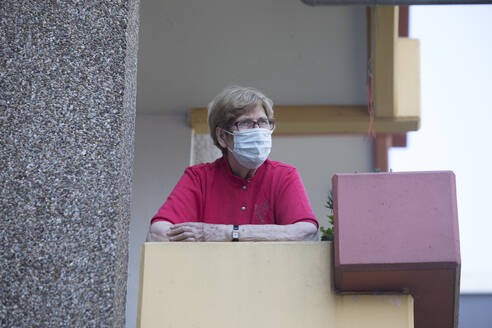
[
  {"x": 197, "y": 231},
  {"x": 158, "y": 231},
  {"x": 300, "y": 231}
]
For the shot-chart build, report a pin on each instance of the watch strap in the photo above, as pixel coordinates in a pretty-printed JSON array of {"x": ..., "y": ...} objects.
[{"x": 235, "y": 233}]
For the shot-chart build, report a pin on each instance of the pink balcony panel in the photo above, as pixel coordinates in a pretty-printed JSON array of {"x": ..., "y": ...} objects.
[{"x": 399, "y": 232}]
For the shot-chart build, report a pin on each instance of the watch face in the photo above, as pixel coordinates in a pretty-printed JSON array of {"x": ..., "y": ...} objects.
[{"x": 235, "y": 234}]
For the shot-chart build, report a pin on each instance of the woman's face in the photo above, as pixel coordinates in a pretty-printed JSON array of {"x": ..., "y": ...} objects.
[{"x": 256, "y": 114}]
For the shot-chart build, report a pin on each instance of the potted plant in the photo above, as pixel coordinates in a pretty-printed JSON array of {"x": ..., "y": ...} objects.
[{"x": 327, "y": 233}]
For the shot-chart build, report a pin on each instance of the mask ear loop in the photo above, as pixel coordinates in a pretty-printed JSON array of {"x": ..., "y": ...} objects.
[{"x": 223, "y": 139}]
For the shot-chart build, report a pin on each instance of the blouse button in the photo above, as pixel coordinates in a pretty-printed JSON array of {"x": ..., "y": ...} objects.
[
  {"x": 243, "y": 208},
  {"x": 244, "y": 187}
]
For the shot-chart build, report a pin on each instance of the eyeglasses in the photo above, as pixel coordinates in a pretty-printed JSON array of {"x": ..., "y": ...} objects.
[{"x": 262, "y": 123}]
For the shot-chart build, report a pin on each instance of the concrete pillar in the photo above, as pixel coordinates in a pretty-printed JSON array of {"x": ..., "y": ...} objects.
[{"x": 67, "y": 111}]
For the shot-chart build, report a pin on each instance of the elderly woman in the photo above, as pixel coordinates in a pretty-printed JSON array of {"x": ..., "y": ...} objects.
[{"x": 242, "y": 196}]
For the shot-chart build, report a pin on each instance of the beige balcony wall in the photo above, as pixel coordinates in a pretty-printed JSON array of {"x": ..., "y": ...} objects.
[{"x": 255, "y": 285}]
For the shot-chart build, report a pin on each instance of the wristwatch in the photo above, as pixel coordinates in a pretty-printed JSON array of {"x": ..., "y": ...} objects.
[{"x": 235, "y": 233}]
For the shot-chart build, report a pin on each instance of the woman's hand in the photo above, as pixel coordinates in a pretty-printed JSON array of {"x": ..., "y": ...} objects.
[{"x": 198, "y": 231}]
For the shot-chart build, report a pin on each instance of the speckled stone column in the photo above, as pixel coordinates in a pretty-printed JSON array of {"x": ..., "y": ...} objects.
[{"x": 67, "y": 110}]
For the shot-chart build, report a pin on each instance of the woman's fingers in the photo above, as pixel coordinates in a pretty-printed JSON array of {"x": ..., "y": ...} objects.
[
  {"x": 182, "y": 236},
  {"x": 178, "y": 230},
  {"x": 189, "y": 231}
]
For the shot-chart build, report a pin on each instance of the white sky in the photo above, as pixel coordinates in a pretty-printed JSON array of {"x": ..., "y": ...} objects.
[{"x": 456, "y": 117}]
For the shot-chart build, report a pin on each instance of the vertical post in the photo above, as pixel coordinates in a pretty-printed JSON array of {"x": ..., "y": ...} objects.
[
  {"x": 385, "y": 55},
  {"x": 67, "y": 111},
  {"x": 382, "y": 143}
]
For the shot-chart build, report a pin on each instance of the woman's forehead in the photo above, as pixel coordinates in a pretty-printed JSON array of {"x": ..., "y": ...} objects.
[{"x": 254, "y": 113}]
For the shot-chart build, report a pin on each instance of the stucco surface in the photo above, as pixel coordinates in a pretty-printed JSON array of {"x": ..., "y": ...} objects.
[
  {"x": 270, "y": 284},
  {"x": 67, "y": 108}
]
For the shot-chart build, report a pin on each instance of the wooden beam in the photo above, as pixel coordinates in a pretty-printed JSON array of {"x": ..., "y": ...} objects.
[
  {"x": 385, "y": 31},
  {"x": 322, "y": 119},
  {"x": 396, "y": 65},
  {"x": 392, "y": 2},
  {"x": 381, "y": 145},
  {"x": 407, "y": 81},
  {"x": 399, "y": 140},
  {"x": 403, "y": 21},
  {"x": 407, "y": 78}
]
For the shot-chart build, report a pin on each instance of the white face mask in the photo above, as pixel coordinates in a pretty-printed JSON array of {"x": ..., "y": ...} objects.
[{"x": 251, "y": 146}]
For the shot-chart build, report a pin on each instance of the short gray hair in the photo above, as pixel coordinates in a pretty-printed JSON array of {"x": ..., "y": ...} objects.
[{"x": 230, "y": 104}]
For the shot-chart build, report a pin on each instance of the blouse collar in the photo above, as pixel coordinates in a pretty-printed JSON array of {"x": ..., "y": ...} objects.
[{"x": 259, "y": 172}]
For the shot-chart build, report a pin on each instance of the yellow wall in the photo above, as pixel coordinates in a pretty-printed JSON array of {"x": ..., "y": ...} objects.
[{"x": 255, "y": 285}]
